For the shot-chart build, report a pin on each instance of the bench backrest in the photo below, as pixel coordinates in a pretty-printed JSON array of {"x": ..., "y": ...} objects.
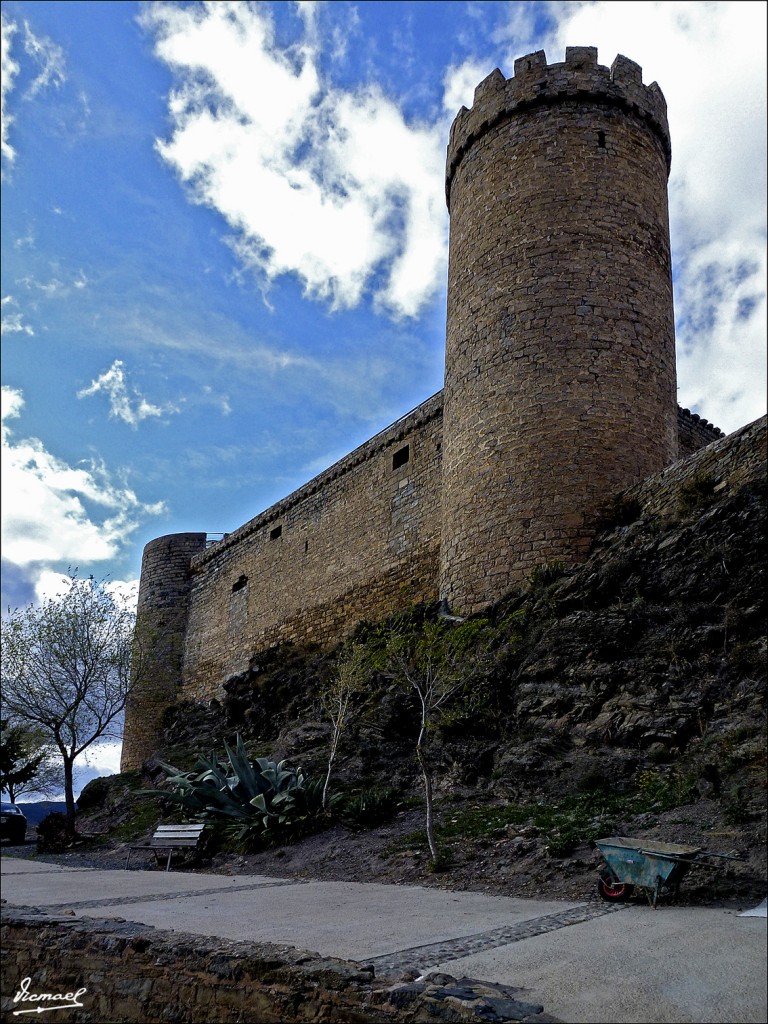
[{"x": 177, "y": 835}]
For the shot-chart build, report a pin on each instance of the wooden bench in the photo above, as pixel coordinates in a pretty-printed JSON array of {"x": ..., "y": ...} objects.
[{"x": 170, "y": 838}]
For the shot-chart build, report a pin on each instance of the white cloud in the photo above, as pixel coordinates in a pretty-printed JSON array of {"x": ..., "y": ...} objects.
[
  {"x": 50, "y": 59},
  {"x": 25, "y": 241},
  {"x": 45, "y": 53},
  {"x": 54, "y": 513},
  {"x": 55, "y": 288},
  {"x": 8, "y": 71},
  {"x": 50, "y": 584},
  {"x": 219, "y": 400},
  {"x": 332, "y": 185},
  {"x": 13, "y": 319},
  {"x": 710, "y": 61},
  {"x": 460, "y": 82},
  {"x": 128, "y": 406}
]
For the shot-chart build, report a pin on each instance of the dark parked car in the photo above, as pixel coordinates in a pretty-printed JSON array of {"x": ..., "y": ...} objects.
[{"x": 13, "y": 824}]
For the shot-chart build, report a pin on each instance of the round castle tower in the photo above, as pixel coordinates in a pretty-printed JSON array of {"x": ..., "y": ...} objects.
[
  {"x": 560, "y": 384},
  {"x": 161, "y": 626}
]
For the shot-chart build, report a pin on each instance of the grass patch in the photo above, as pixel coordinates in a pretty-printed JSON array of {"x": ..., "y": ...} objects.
[
  {"x": 144, "y": 815},
  {"x": 695, "y": 493},
  {"x": 562, "y": 824}
]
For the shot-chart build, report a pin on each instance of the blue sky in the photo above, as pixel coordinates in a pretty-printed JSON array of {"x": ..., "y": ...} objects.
[{"x": 224, "y": 242}]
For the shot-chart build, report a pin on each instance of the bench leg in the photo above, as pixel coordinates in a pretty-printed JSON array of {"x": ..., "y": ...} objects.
[{"x": 168, "y": 865}]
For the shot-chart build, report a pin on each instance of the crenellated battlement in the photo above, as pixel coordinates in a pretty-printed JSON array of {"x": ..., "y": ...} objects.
[{"x": 536, "y": 83}]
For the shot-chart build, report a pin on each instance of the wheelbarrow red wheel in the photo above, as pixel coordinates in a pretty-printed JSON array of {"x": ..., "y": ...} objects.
[{"x": 611, "y": 889}]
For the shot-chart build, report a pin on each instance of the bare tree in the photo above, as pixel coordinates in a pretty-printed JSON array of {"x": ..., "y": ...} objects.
[
  {"x": 66, "y": 666},
  {"x": 337, "y": 698},
  {"x": 436, "y": 663}
]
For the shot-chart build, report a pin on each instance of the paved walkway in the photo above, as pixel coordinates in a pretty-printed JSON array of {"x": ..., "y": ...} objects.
[{"x": 585, "y": 962}]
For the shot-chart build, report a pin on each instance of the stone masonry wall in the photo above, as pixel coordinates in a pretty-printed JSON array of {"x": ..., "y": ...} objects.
[
  {"x": 162, "y": 614},
  {"x": 559, "y": 394},
  {"x": 560, "y": 363},
  {"x": 727, "y": 463},
  {"x": 358, "y": 541},
  {"x": 319, "y": 593},
  {"x": 130, "y": 972},
  {"x": 317, "y": 617},
  {"x": 694, "y": 432}
]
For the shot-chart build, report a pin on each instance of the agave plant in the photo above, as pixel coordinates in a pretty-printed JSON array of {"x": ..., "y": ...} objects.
[{"x": 251, "y": 797}]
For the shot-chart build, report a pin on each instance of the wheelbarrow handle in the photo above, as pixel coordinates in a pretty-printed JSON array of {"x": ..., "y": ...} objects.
[
  {"x": 685, "y": 860},
  {"x": 666, "y": 856}
]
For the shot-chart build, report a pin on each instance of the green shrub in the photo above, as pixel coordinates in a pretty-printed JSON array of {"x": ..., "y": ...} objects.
[
  {"x": 252, "y": 801},
  {"x": 544, "y": 575},
  {"x": 368, "y": 808},
  {"x": 52, "y": 833},
  {"x": 661, "y": 791}
]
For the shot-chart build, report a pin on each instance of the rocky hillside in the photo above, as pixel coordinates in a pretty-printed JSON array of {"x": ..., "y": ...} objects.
[{"x": 628, "y": 696}]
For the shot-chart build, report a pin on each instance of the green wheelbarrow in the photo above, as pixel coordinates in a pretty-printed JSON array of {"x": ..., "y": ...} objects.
[{"x": 656, "y": 868}]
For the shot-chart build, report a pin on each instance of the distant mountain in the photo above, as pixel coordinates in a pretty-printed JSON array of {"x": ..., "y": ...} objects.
[{"x": 35, "y": 812}]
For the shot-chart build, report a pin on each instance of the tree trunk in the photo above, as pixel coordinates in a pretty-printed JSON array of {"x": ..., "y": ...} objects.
[
  {"x": 427, "y": 776},
  {"x": 69, "y": 796},
  {"x": 331, "y": 758}
]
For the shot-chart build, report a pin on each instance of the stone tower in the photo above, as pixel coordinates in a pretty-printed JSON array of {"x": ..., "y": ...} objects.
[
  {"x": 161, "y": 628},
  {"x": 560, "y": 385}
]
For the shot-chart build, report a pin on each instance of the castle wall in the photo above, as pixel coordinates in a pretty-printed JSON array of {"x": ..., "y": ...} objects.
[
  {"x": 357, "y": 542},
  {"x": 559, "y": 394},
  {"x": 197, "y": 630},
  {"x": 560, "y": 363},
  {"x": 694, "y": 432},
  {"x": 729, "y": 462}
]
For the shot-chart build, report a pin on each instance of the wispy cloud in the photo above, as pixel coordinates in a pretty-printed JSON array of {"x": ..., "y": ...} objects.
[
  {"x": 13, "y": 319},
  {"x": 55, "y": 288},
  {"x": 49, "y": 57},
  {"x": 9, "y": 68},
  {"x": 217, "y": 399},
  {"x": 125, "y": 403},
  {"x": 25, "y": 241},
  {"x": 55, "y": 513},
  {"x": 50, "y": 60},
  {"x": 332, "y": 185}
]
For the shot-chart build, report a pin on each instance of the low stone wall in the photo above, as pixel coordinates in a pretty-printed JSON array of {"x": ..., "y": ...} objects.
[{"x": 126, "y": 972}]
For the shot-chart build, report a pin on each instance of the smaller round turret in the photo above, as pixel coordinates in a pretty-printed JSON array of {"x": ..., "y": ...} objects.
[{"x": 161, "y": 623}]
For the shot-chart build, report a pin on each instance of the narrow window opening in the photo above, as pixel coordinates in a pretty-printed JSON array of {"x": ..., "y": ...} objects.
[
  {"x": 306, "y": 546},
  {"x": 239, "y": 584},
  {"x": 401, "y": 457},
  {"x": 601, "y": 140},
  {"x": 277, "y": 532}
]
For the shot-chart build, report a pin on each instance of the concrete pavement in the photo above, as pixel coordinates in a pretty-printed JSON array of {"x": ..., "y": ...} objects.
[{"x": 585, "y": 962}]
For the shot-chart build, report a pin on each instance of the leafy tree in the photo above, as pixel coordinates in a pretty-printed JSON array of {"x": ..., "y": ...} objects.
[
  {"x": 27, "y": 762},
  {"x": 337, "y": 696},
  {"x": 66, "y": 669},
  {"x": 438, "y": 662}
]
